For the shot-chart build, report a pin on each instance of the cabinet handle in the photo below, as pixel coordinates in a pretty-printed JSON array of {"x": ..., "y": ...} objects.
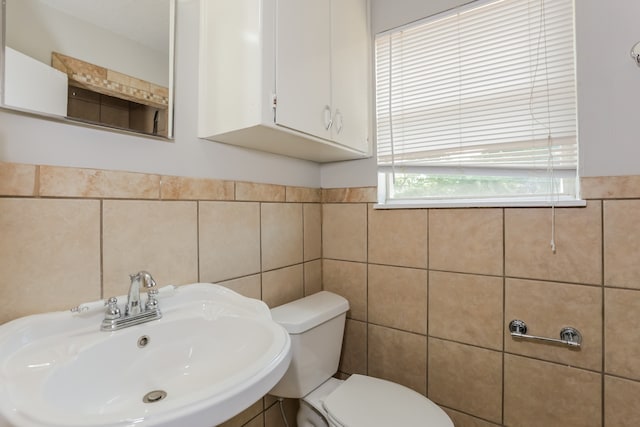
[
  {"x": 337, "y": 118},
  {"x": 328, "y": 121}
]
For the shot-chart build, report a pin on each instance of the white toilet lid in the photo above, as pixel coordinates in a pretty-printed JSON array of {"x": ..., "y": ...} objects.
[{"x": 365, "y": 401}]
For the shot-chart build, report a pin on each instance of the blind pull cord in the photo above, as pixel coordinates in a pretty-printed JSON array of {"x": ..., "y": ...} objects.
[
  {"x": 393, "y": 151},
  {"x": 542, "y": 44},
  {"x": 553, "y": 228}
]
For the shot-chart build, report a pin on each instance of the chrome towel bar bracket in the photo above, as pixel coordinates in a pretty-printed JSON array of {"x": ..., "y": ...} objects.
[
  {"x": 635, "y": 53},
  {"x": 569, "y": 336}
]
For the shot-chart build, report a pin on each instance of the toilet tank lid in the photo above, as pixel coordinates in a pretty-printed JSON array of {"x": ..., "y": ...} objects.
[{"x": 303, "y": 314}]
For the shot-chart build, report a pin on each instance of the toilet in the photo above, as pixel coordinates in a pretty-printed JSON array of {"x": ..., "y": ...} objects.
[{"x": 316, "y": 326}]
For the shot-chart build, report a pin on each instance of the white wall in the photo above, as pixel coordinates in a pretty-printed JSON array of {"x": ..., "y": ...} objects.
[
  {"x": 608, "y": 85},
  {"x": 37, "y": 30},
  {"x": 25, "y": 139},
  {"x": 608, "y": 102},
  {"x": 386, "y": 15}
]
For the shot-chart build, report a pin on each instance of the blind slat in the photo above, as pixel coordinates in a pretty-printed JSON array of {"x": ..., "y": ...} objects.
[{"x": 485, "y": 86}]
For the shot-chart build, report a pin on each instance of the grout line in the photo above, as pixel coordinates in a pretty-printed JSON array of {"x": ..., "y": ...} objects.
[
  {"x": 561, "y": 364},
  {"x": 304, "y": 276},
  {"x": 198, "y": 239},
  {"x": 620, "y": 377},
  {"x": 102, "y": 296},
  {"x": 602, "y": 315},
  {"x": 483, "y": 274},
  {"x": 366, "y": 278},
  {"x": 504, "y": 305},
  {"x": 493, "y": 275},
  {"x": 36, "y": 182},
  {"x": 260, "y": 243},
  {"x": 428, "y": 300},
  {"x": 495, "y": 350},
  {"x": 321, "y": 243},
  {"x": 394, "y": 266},
  {"x": 471, "y": 415}
]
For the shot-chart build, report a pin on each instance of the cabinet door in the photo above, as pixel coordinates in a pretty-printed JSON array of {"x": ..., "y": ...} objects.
[
  {"x": 303, "y": 66},
  {"x": 350, "y": 73}
]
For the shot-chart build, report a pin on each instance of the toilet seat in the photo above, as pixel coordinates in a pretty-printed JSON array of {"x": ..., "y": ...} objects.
[{"x": 365, "y": 401}]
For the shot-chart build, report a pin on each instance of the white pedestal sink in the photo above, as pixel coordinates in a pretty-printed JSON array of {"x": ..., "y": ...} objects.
[{"x": 213, "y": 354}]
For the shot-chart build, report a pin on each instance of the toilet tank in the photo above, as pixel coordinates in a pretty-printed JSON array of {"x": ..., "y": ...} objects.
[{"x": 315, "y": 325}]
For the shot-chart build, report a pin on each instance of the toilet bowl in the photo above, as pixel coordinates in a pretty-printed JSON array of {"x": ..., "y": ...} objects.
[{"x": 316, "y": 326}]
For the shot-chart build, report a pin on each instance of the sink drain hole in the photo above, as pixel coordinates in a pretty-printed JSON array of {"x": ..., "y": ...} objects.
[
  {"x": 143, "y": 341},
  {"x": 154, "y": 396}
]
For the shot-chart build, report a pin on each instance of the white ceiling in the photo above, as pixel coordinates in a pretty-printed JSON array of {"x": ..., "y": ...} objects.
[{"x": 144, "y": 21}]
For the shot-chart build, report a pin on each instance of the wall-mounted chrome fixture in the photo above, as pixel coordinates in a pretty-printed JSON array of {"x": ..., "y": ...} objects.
[
  {"x": 569, "y": 336},
  {"x": 635, "y": 53}
]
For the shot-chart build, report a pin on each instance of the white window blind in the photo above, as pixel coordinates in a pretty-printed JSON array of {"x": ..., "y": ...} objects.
[{"x": 490, "y": 86}]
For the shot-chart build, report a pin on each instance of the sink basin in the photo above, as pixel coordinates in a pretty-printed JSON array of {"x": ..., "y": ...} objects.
[{"x": 211, "y": 355}]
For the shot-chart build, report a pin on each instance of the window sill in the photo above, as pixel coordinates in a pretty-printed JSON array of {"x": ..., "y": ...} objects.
[{"x": 468, "y": 203}]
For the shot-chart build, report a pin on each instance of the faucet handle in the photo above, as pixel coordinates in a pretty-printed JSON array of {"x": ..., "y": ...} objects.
[
  {"x": 152, "y": 301},
  {"x": 112, "y": 312}
]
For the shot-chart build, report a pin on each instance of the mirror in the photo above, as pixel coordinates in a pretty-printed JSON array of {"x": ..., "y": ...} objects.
[{"x": 102, "y": 62}]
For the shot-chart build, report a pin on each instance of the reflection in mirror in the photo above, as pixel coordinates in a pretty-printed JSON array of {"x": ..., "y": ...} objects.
[{"x": 107, "y": 62}]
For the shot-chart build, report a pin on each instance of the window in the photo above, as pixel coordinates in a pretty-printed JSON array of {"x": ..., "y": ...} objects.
[{"x": 478, "y": 105}]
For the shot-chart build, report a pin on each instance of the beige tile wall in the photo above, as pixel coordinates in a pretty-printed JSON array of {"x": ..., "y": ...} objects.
[
  {"x": 432, "y": 292},
  {"x": 71, "y": 235}
]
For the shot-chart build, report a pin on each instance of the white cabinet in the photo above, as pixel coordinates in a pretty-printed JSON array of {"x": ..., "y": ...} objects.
[
  {"x": 350, "y": 65},
  {"x": 286, "y": 76},
  {"x": 303, "y": 66},
  {"x": 33, "y": 86}
]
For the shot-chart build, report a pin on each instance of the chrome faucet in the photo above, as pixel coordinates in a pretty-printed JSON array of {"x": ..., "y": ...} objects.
[
  {"x": 134, "y": 313},
  {"x": 133, "y": 301}
]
